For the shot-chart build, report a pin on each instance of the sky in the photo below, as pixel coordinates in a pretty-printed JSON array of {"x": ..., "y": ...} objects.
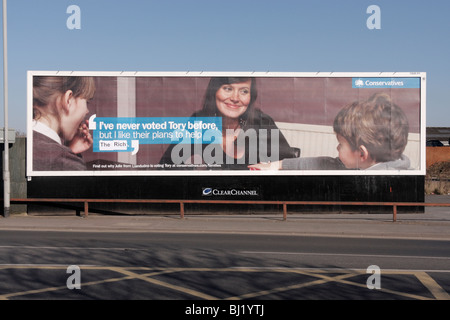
[{"x": 231, "y": 35}]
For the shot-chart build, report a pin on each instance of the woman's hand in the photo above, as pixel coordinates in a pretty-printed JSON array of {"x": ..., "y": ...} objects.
[
  {"x": 276, "y": 165},
  {"x": 82, "y": 140}
]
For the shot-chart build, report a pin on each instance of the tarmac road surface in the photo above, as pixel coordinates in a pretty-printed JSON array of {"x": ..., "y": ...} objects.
[{"x": 184, "y": 266}]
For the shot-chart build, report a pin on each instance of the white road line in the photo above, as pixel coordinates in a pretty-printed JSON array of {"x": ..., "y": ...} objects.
[
  {"x": 44, "y": 265},
  {"x": 343, "y": 255},
  {"x": 319, "y": 269},
  {"x": 73, "y": 248}
]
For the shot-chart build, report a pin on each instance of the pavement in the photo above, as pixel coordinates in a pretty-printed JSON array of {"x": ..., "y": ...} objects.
[{"x": 433, "y": 224}]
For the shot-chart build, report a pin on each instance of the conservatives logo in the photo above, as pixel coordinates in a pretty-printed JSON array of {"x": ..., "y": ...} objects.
[
  {"x": 410, "y": 83},
  {"x": 359, "y": 83},
  {"x": 208, "y": 192}
]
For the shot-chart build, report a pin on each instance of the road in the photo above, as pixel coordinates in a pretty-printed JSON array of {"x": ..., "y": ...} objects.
[{"x": 185, "y": 266}]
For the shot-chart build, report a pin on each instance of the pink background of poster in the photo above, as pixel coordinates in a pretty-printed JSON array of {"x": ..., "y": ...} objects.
[{"x": 303, "y": 100}]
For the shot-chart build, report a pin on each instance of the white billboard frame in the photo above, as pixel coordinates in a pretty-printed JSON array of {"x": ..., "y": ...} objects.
[{"x": 415, "y": 172}]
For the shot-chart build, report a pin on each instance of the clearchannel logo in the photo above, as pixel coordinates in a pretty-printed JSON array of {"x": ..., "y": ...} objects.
[
  {"x": 377, "y": 83},
  {"x": 210, "y": 192},
  {"x": 207, "y": 191}
]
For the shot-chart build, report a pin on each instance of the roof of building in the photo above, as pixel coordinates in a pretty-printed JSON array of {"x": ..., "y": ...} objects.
[{"x": 438, "y": 133}]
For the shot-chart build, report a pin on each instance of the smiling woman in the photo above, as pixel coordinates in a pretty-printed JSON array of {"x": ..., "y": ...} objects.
[{"x": 248, "y": 135}]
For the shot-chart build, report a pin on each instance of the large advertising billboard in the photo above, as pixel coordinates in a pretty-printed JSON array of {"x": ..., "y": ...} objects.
[{"x": 217, "y": 123}]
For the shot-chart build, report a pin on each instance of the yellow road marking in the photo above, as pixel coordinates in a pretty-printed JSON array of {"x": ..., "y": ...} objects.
[
  {"x": 164, "y": 284},
  {"x": 437, "y": 291},
  {"x": 281, "y": 289}
]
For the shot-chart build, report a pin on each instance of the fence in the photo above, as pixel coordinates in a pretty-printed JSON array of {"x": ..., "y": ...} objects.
[{"x": 181, "y": 203}]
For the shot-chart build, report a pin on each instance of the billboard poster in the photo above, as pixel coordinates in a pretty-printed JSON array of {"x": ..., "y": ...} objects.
[{"x": 217, "y": 123}]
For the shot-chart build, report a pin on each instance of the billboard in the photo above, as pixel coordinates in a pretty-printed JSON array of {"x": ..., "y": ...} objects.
[{"x": 218, "y": 123}]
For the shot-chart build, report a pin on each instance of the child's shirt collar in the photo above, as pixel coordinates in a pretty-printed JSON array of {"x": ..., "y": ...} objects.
[{"x": 46, "y": 131}]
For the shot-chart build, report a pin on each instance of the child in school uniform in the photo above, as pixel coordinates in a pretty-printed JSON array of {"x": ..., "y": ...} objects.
[
  {"x": 60, "y": 131},
  {"x": 372, "y": 135}
]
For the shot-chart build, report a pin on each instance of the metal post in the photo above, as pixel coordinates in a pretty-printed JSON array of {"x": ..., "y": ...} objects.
[
  {"x": 181, "y": 210},
  {"x": 86, "y": 209},
  {"x": 6, "y": 174}
]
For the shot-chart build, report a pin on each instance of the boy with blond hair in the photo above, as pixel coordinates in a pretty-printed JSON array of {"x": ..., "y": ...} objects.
[{"x": 372, "y": 135}]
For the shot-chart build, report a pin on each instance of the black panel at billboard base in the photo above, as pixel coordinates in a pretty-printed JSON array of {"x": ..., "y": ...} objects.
[
  {"x": 292, "y": 188},
  {"x": 302, "y": 188}
]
